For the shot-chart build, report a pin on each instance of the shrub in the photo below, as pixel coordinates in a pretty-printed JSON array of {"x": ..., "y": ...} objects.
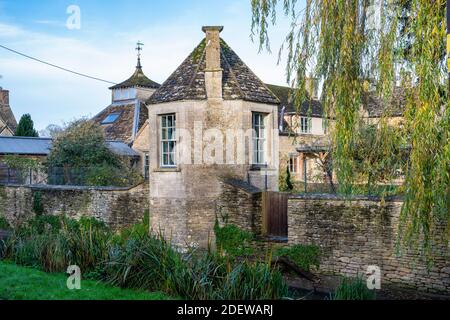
[
  {"x": 151, "y": 263},
  {"x": 233, "y": 241},
  {"x": 305, "y": 256},
  {"x": 4, "y": 224},
  {"x": 289, "y": 184},
  {"x": 38, "y": 207},
  {"x": 253, "y": 281},
  {"x": 143, "y": 262},
  {"x": 137, "y": 259},
  {"x": 80, "y": 156},
  {"x": 353, "y": 289},
  {"x": 53, "y": 243}
]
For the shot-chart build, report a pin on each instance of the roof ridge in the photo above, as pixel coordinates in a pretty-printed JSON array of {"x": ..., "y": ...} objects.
[
  {"x": 255, "y": 76},
  {"x": 24, "y": 138},
  {"x": 194, "y": 75},
  {"x": 244, "y": 96}
]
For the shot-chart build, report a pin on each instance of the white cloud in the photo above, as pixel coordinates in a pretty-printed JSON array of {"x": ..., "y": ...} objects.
[{"x": 9, "y": 31}]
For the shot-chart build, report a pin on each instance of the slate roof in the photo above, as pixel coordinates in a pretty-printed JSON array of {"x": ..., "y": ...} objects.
[
  {"x": 42, "y": 146},
  {"x": 122, "y": 128},
  {"x": 238, "y": 81},
  {"x": 375, "y": 107},
  {"x": 286, "y": 96},
  {"x": 138, "y": 79},
  {"x": 7, "y": 116},
  {"x": 371, "y": 103}
]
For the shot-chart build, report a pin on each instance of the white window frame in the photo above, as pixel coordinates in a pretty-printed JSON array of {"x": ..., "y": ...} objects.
[
  {"x": 116, "y": 116},
  {"x": 259, "y": 138},
  {"x": 168, "y": 141},
  {"x": 124, "y": 94},
  {"x": 305, "y": 125},
  {"x": 293, "y": 164}
]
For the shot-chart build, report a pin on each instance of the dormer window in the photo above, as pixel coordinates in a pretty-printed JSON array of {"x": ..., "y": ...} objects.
[
  {"x": 124, "y": 94},
  {"x": 111, "y": 118}
]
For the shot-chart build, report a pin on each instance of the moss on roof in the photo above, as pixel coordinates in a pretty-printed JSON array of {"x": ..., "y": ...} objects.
[
  {"x": 138, "y": 79},
  {"x": 286, "y": 96},
  {"x": 187, "y": 82}
]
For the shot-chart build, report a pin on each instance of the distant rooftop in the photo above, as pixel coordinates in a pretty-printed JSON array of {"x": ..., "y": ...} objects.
[
  {"x": 138, "y": 79},
  {"x": 42, "y": 146}
]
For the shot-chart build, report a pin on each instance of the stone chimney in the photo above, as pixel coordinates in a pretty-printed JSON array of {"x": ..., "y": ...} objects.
[
  {"x": 4, "y": 97},
  {"x": 213, "y": 71},
  {"x": 312, "y": 87}
]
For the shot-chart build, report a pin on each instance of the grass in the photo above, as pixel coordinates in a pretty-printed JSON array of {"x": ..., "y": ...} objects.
[
  {"x": 305, "y": 256},
  {"x": 353, "y": 289},
  {"x": 134, "y": 259},
  {"x": 23, "y": 283}
]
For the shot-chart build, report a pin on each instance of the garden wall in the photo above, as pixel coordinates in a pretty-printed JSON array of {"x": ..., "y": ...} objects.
[
  {"x": 351, "y": 234},
  {"x": 363, "y": 232},
  {"x": 117, "y": 207},
  {"x": 240, "y": 204}
]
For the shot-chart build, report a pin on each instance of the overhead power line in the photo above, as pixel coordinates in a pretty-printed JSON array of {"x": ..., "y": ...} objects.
[{"x": 55, "y": 66}]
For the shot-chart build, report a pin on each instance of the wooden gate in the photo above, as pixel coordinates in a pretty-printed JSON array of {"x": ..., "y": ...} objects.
[{"x": 274, "y": 207}]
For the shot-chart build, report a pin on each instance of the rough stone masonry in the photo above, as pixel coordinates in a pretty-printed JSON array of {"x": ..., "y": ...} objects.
[
  {"x": 352, "y": 235},
  {"x": 118, "y": 207}
]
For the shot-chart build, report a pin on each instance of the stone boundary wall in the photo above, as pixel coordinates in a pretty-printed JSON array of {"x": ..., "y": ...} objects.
[
  {"x": 240, "y": 204},
  {"x": 118, "y": 207},
  {"x": 355, "y": 234}
]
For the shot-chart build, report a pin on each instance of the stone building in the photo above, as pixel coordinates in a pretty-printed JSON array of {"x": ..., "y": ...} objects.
[
  {"x": 8, "y": 122},
  {"x": 305, "y": 143},
  {"x": 125, "y": 119},
  {"x": 213, "y": 118}
]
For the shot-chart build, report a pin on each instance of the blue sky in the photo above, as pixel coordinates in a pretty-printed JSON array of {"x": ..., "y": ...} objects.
[{"x": 104, "y": 47}]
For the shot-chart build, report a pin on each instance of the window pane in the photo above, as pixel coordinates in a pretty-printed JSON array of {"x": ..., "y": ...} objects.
[
  {"x": 171, "y": 159},
  {"x": 171, "y": 146},
  {"x": 168, "y": 140}
]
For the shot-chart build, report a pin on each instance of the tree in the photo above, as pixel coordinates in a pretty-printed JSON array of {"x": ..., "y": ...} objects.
[
  {"x": 81, "y": 156},
  {"x": 289, "y": 184},
  {"x": 342, "y": 44},
  {"x": 25, "y": 128},
  {"x": 51, "y": 131}
]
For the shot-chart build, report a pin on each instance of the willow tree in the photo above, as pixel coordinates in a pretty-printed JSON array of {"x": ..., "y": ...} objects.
[{"x": 344, "y": 43}]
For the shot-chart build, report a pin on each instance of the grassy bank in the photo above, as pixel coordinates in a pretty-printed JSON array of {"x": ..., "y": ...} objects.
[{"x": 22, "y": 283}]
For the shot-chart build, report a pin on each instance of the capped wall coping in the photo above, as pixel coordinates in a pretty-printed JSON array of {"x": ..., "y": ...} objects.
[
  {"x": 335, "y": 197},
  {"x": 68, "y": 188},
  {"x": 243, "y": 185}
]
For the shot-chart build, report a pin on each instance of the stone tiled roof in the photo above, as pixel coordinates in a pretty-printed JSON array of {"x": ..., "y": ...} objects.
[
  {"x": 286, "y": 96},
  {"x": 122, "y": 128},
  {"x": 7, "y": 116},
  {"x": 138, "y": 79},
  {"x": 375, "y": 107},
  {"x": 238, "y": 81}
]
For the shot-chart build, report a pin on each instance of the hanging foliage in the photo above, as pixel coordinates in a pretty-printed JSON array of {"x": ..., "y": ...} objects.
[{"x": 352, "y": 46}]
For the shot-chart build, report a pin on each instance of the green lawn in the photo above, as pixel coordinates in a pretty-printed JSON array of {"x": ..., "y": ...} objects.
[{"x": 20, "y": 283}]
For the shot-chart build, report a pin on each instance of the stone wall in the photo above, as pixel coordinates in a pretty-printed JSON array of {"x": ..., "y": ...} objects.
[
  {"x": 353, "y": 235},
  {"x": 240, "y": 204},
  {"x": 118, "y": 207}
]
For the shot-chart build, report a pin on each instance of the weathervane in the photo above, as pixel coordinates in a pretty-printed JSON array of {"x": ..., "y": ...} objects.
[{"x": 139, "y": 49}]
